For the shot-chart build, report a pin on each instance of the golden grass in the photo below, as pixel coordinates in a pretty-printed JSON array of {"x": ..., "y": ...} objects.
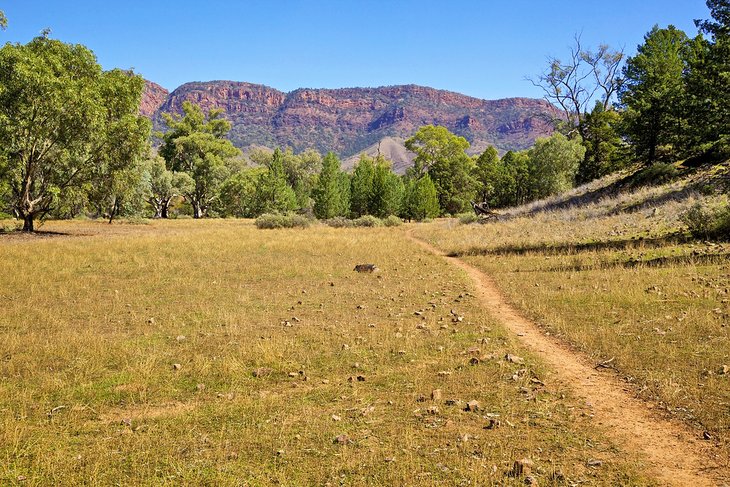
[
  {"x": 128, "y": 355},
  {"x": 614, "y": 280}
]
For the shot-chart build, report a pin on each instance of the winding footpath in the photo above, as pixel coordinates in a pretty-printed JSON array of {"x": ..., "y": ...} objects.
[{"x": 672, "y": 451}]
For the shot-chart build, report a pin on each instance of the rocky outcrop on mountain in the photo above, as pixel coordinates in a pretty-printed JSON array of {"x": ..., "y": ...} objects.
[
  {"x": 350, "y": 120},
  {"x": 153, "y": 97}
]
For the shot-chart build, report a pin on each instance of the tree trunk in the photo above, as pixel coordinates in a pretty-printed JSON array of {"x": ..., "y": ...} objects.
[
  {"x": 114, "y": 211},
  {"x": 165, "y": 207},
  {"x": 28, "y": 223},
  {"x": 197, "y": 210}
]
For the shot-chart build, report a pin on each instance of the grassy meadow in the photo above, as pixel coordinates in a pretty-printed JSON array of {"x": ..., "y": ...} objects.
[
  {"x": 212, "y": 353},
  {"x": 615, "y": 278}
]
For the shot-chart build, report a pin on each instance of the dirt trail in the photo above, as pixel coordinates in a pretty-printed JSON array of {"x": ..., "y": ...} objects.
[{"x": 673, "y": 452}]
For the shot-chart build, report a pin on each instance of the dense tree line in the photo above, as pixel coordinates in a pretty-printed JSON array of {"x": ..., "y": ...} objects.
[{"x": 72, "y": 141}]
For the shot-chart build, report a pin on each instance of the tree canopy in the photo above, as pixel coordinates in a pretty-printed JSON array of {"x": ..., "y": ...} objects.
[
  {"x": 196, "y": 145},
  {"x": 63, "y": 120}
]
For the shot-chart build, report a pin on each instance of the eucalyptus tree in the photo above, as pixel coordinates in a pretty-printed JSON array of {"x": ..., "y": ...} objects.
[
  {"x": 62, "y": 120},
  {"x": 443, "y": 156},
  {"x": 196, "y": 145},
  {"x": 575, "y": 82}
]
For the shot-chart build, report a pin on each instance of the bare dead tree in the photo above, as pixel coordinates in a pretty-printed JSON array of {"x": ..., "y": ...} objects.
[{"x": 585, "y": 77}]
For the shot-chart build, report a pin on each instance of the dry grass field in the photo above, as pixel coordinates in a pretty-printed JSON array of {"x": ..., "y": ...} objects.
[
  {"x": 213, "y": 353},
  {"x": 615, "y": 279}
]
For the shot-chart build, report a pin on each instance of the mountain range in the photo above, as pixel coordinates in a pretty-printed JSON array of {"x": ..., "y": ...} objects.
[{"x": 350, "y": 121}]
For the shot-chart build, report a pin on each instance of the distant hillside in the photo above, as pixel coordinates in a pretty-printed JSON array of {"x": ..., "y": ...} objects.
[{"x": 352, "y": 120}]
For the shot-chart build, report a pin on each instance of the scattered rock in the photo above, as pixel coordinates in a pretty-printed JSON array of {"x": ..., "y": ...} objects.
[
  {"x": 530, "y": 480},
  {"x": 514, "y": 359},
  {"x": 262, "y": 372},
  {"x": 432, "y": 410},
  {"x": 472, "y": 406},
  {"x": 342, "y": 440},
  {"x": 200, "y": 387},
  {"x": 180, "y": 338},
  {"x": 521, "y": 468},
  {"x": 444, "y": 373},
  {"x": 594, "y": 463},
  {"x": 366, "y": 268},
  {"x": 151, "y": 321},
  {"x": 474, "y": 361},
  {"x": 706, "y": 435},
  {"x": 436, "y": 395},
  {"x": 493, "y": 424},
  {"x": 336, "y": 418},
  {"x": 176, "y": 366},
  {"x": 279, "y": 453},
  {"x": 293, "y": 374},
  {"x": 389, "y": 459},
  {"x": 723, "y": 370}
]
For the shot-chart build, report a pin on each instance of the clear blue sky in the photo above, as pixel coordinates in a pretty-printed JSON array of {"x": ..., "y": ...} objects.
[{"x": 481, "y": 48}]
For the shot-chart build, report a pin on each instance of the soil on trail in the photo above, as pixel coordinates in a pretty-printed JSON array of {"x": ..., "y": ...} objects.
[{"x": 674, "y": 454}]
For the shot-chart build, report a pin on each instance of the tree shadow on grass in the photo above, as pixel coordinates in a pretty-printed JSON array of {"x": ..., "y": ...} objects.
[
  {"x": 38, "y": 234},
  {"x": 572, "y": 248},
  {"x": 666, "y": 261}
]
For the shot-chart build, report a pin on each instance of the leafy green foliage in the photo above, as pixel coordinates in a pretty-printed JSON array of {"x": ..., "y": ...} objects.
[
  {"x": 164, "y": 185},
  {"x": 516, "y": 179},
  {"x": 238, "y": 194},
  {"x": 443, "y": 156},
  {"x": 553, "y": 165},
  {"x": 274, "y": 195},
  {"x": 709, "y": 81},
  {"x": 707, "y": 223},
  {"x": 332, "y": 190},
  {"x": 421, "y": 199},
  {"x": 653, "y": 92},
  {"x": 272, "y": 221},
  {"x": 63, "y": 121},
  {"x": 196, "y": 145},
  {"x": 374, "y": 188},
  {"x": 605, "y": 149}
]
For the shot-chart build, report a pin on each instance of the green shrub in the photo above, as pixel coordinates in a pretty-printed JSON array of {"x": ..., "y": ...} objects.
[
  {"x": 704, "y": 223},
  {"x": 368, "y": 221},
  {"x": 339, "y": 222},
  {"x": 278, "y": 220},
  {"x": 657, "y": 173},
  {"x": 467, "y": 218},
  {"x": 392, "y": 221}
]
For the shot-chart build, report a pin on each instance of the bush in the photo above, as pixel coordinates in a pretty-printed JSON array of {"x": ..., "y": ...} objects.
[
  {"x": 339, "y": 222},
  {"x": 392, "y": 221},
  {"x": 368, "y": 221},
  {"x": 277, "y": 220},
  {"x": 657, "y": 173},
  {"x": 707, "y": 223},
  {"x": 467, "y": 218}
]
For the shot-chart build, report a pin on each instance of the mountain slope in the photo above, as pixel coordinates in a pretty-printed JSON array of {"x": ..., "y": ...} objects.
[{"x": 350, "y": 120}]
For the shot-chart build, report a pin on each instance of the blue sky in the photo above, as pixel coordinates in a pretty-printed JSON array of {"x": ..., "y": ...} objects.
[{"x": 480, "y": 48}]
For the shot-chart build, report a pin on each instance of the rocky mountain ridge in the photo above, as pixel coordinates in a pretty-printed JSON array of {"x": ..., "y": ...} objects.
[{"x": 351, "y": 120}]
